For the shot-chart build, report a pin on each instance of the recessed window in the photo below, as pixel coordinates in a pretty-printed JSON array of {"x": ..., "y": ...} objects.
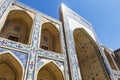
[
  {"x": 13, "y": 38},
  {"x": 45, "y": 47}
]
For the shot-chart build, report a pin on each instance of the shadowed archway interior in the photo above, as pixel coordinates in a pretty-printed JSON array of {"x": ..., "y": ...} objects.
[
  {"x": 17, "y": 26},
  {"x": 88, "y": 55},
  {"x": 110, "y": 60},
  {"x": 50, "y": 38},
  {"x": 10, "y": 68},
  {"x": 50, "y": 72}
]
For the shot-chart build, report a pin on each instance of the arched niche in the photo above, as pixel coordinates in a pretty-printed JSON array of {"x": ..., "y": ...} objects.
[
  {"x": 88, "y": 55},
  {"x": 116, "y": 57},
  {"x": 10, "y": 68},
  {"x": 110, "y": 59},
  {"x": 50, "y": 71},
  {"x": 17, "y": 26},
  {"x": 50, "y": 38}
]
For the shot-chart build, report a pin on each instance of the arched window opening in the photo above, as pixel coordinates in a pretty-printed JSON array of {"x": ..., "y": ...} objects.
[
  {"x": 10, "y": 68},
  {"x": 88, "y": 55},
  {"x": 50, "y": 72},
  {"x": 50, "y": 38},
  {"x": 17, "y": 27}
]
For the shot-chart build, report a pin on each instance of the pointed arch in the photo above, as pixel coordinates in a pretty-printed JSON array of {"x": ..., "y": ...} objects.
[
  {"x": 110, "y": 58},
  {"x": 17, "y": 26},
  {"x": 50, "y": 38},
  {"x": 10, "y": 67},
  {"x": 89, "y": 58},
  {"x": 50, "y": 71}
]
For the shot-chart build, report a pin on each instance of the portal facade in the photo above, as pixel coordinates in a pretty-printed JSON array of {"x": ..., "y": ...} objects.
[{"x": 34, "y": 46}]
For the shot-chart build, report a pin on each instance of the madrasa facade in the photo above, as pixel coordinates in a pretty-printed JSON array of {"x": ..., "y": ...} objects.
[{"x": 34, "y": 46}]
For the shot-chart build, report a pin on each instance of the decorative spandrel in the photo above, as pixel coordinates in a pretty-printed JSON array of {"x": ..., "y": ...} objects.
[{"x": 23, "y": 57}]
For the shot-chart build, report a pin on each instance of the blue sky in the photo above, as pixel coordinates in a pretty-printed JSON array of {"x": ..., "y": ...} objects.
[{"x": 103, "y": 14}]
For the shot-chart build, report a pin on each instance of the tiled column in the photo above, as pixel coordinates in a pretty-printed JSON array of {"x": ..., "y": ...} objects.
[
  {"x": 75, "y": 71},
  {"x": 4, "y": 6},
  {"x": 67, "y": 76},
  {"x": 34, "y": 42},
  {"x": 71, "y": 52}
]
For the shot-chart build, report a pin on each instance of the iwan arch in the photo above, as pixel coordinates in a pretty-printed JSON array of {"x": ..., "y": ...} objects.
[{"x": 34, "y": 46}]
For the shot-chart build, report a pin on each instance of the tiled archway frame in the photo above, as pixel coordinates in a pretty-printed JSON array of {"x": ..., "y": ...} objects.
[
  {"x": 71, "y": 20},
  {"x": 41, "y": 61},
  {"x": 21, "y": 57}
]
